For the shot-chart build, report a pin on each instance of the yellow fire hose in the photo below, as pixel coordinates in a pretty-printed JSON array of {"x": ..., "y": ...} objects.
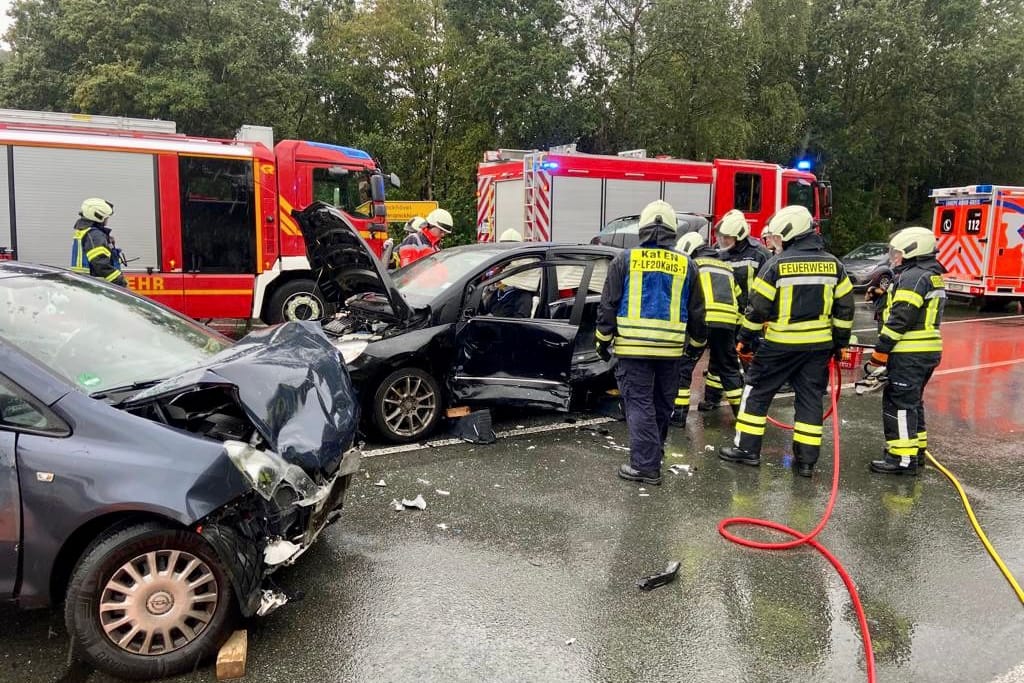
[{"x": 977, "y": 527}]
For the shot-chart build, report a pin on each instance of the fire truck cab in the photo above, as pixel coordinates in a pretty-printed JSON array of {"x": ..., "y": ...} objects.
[
  {"x": 205, "y": 224},
  {"x": 569, "y": 196},
  {"x": 980, "y": 233}
]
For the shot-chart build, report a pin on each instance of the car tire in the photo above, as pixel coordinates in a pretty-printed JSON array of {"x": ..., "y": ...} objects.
[
  {"x": 417, "y": 394},
  {"x": 884, "y": 280},
  {"x": 99, "y": 580},
  {"x": 296, "y": 300}
]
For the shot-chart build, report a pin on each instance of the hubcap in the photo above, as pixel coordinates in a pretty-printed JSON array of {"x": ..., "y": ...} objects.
[
  {"x": 409, "y": 405},
  {"x": 158, "y": 602},
  {"x": 303, "y": 306}
]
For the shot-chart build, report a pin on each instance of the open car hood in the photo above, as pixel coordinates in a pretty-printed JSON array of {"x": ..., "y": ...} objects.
[
  {"x": 290, "y": 383},
  {"x": 342, "y": 260}
]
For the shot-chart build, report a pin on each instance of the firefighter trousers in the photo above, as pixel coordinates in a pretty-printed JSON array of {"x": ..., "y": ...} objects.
[
  {"x": 903, "y": 403},
  {"x": 647, "y": 387},
  {"x": 723, "y": 371},
  {"x": 773, "y": 366}
]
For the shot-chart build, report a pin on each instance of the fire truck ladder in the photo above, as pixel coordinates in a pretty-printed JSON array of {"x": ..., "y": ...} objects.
[{"x": 531, "y": 179}]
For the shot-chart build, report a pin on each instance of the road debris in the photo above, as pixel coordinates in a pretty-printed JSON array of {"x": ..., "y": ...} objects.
[
  {"x": 709, "y": 448},
  {"x": 442, "y": 493},
  {"x": 442, "y": 526},
  {"x": 416, "y": 502},
  {"x": 655, "y": 580},
  {"x": 423, "y": 481},
  {"x": 570, "y": 641},
  {"x": 396, "y": 506},
  {"x": 679, "y": 469},
  {"x": 380, "y": 483},
  {"x": 645, "y": 495}
]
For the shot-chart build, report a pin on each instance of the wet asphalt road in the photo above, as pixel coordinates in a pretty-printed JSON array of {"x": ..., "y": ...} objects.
[{"x": 544, "y": 546}]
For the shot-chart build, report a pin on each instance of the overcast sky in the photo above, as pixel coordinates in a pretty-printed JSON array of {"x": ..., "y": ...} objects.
[{"x": 5, "y": 20}]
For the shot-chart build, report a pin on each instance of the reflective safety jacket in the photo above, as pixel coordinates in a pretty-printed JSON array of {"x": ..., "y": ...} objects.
[
  {"x": 804, "y": 296},
  {"x": 416, "y": 246},
  {"x": 913, "y": 309},
  {"x": 93, "y": 254},
  {"x": 719, "y": 287},
  {"x": 746, "y": 259},
  {"x": 650, "y": 303}
]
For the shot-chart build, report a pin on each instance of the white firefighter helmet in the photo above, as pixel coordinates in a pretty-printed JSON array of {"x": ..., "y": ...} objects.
[
  {"x": 415, "y": 224},
  {"x": 510, "y": 235},
  {"x": 733, "y": 224},
  {"x": 439, "y": 218},
  {"x": 689, "y": 243},
  {"x": 658, "y": 212},
  {"x": 789, "y": 223},
  {"x": 913, "y": 242},
  {"x": 96, "y": 209}
]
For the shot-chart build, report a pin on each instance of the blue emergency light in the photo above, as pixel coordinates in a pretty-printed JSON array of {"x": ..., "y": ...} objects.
[
  {"x": 803, "y": 165},
  {"x": 549, "y": 166}
]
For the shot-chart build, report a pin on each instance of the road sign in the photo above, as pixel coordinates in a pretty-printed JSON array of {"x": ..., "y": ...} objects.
[{"x": 400, "y": 212}]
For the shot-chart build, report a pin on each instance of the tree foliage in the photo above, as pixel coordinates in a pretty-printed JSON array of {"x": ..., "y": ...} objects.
[{"x": 889, "y": 97}]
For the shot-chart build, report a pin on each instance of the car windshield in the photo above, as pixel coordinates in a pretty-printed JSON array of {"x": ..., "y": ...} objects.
[
  {"x": 419, "y": 283},
  {"x": 626, "y": 224},
  {"x": 97, "y": 336},
  {"x": 869, "y": 251}
]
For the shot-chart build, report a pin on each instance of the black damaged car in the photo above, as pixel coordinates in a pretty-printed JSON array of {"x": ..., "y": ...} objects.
[
  {"x": 483, "y": 324},
  {"x": 152, "y": 473}
]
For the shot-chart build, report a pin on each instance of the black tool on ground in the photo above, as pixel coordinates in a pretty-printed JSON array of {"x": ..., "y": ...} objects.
[
  {"x": 649, "y": 583},
  {"x": 874, "y": 379},
  {"x": 477, "y": 427}
]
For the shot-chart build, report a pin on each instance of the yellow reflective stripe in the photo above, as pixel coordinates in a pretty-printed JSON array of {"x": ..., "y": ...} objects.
[
  {"x": 602, "y": 336},
  {"x": 113, "y": 276},
  {"x": 829, "y": 298},
  {"x": 80, "y": 269},
  {"x": 97, "y": 251},
  {"x": 752, "y": 326},
  {"x": 749, "y": 429},
  {"x": 844, "y": 287},
  {"x": 808, "y": 428},
  {"x": 651, "y": 324},
  {"x": 753, "y": 419},
  {"x": 675, "y": 303},
  {"x": 924, "y": 346},
  {"x": 787, "y": 337},
  {"x": 922, "y": 334},
  {"x": 842, "y": 324},
  {"x": 763, "y": 288},
  {"x": 636, "y": 280},
  {"x": 807, "y": 439},
  {"x": 890, "y": 333},
  {"x": 640, "y": 351},
  {"x": 908, "y": 296},
  {"x": 931, "y": 314},
  {"x": 785, "y": 305}
]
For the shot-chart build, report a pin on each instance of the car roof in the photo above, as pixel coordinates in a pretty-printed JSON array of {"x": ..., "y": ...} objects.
[
  {"x": 532, "y": 247},
  {"x": 16, "y": 268}
]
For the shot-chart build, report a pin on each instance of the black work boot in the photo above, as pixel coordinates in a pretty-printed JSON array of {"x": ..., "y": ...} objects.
[
  {"x": 626, "y": 471},
  {"x": 679, "y": 417},
  {"x": 922, "y": 459},
  {"x": 804, "y": 469},
  {"x": 738, "y": 455},
  {"x": 707, "y": 406},
  {"x": 892, "y": 465}
]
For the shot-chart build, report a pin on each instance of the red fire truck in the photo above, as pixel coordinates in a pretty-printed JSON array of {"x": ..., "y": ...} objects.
[
  {"x": 205, "y": 224},
  {"x": 568, "y": 196},
  {"x": 980, "y": 230}
]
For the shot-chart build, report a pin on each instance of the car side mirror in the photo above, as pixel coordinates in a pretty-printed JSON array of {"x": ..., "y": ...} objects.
[
  {"x": 395, "y": 180},
  {"x": 377, "y": 187}
]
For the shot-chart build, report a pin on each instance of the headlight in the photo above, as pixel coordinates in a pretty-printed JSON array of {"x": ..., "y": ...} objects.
[
  {"x": 351, "y": 349},
  {"x": 266, "y": 471}
]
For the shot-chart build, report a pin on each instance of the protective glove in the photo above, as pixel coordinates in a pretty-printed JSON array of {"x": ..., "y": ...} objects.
[
  {"x": 837, "y": 350},
  {"x": 604, "y": 350},
  {"x": 745, "y": 353},
  {"x": 873, "y": 293},
  {"x": 694, "y": 352},
  {"x": 878, "y": 359}
]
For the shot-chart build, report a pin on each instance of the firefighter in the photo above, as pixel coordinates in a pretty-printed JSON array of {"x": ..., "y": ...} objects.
[
  {"x": 721, "y": 314},
  {"x": 806, "y": 299},
  {"x": 92, "y": 248},
  {"x": 414, "y": 225},
  {"x": 910, "y": 347},
  {"x": 746, "y": 258},
  {"x": 428, "y": 240},
  {"x": 651, "y": 306},
  {"x": 510, "y": 235}
]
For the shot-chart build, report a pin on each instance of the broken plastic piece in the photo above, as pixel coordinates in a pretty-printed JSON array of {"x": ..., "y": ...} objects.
[
  {"x": 709, "y": 448},
  {"x": 679, "y": 469},
  {"x": 655, "y": 580},
  {"x": 416, "y": 502},
  {"x": 645, "y": 495},
  {"x": 442, "y": 526},
  {"x": 530, "y": 448},
  {"x": 380, "y": 483},
  {"x": 423, "y": 481},
  {"x": 442, "y": 493},
  {"x": 396, "y": 506},
  {"x": 570, "y": 641},
  {"x": 270, "y": 601}
]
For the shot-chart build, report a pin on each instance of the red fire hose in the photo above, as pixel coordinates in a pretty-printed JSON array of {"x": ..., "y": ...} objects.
[{"x": 809, "y": 539}]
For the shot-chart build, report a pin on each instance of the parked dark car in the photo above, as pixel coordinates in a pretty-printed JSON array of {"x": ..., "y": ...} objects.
[
  {"x": 496, "y": 323},
  {"x": 624, "y": 232},
  {"x": 152, "y": 473},
  {"x": 868, "y": 264}
]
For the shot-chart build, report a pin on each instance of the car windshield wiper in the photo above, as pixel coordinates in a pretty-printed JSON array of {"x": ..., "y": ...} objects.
[{"x": 127, "y": 388}]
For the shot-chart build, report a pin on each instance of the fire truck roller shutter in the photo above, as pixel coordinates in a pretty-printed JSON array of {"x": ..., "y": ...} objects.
[
  {"x": 689, "y": 197},
  {"x": 50, "y": 184},
  {"x": 629, "y": 197},
  {"x": 508, "y": 206},
  {"x": 6, "y": 239},
  {"x": 575, "y": 209}
]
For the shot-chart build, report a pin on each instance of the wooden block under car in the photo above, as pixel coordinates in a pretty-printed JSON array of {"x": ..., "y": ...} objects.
[
  {"x": 461, "y": 411},
  {"x": 231, "y": 658}
]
